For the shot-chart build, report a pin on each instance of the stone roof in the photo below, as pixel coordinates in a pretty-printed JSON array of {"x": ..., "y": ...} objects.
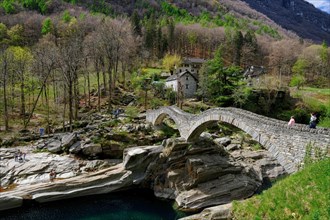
[
  {"x": 193, "y": 60},
  {"x": 179, "y": 75},
  {"x": 254, "y": 71}
]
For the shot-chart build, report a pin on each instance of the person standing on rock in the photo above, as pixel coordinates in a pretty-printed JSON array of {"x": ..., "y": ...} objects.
[
  {"x": 52, "y": 175},
  {"x": 292, "y": 121}
]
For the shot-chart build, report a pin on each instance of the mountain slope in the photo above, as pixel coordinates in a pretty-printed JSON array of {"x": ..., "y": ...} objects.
[{"x": 297, "y": 15}]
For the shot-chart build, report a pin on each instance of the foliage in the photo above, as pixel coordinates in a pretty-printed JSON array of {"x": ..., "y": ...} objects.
[
  {"x": 303, "y": 195},
  {"x": 47, "y": 26},
  {"x": 15, "y": 35},
  {"x": 66, "y": 17},
  {"x": 221, "y": 81},
  {"x": 171, "y": 61},
  {"x": 101, "y": 7},
  {"x": 313, "y": 154},
  {"x": 131, "y": 112},
  {"x": 156, "y": 102},
  {"x": 297, "y": 80},
  {"x": 241, "y": 95},
  {"x": 8, "y": 6}
]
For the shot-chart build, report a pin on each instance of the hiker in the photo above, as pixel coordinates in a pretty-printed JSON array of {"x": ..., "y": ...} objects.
[
  {"x": 52, "y": 175},
  {"x": 18, "y": 156},
  {"x": 116, "y": 113},
  {"x": 292, "y": 121},
  {"x": 312, "y": 122}
]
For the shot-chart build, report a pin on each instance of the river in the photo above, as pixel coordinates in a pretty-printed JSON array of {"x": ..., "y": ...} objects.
[{"x": 129, "y": 205}]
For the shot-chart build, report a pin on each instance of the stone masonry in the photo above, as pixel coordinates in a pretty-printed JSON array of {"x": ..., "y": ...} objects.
[{"x": 286, "y": 144}]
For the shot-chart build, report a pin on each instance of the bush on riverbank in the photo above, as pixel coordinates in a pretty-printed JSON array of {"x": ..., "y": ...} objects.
[{"x": 303, "y": 195}]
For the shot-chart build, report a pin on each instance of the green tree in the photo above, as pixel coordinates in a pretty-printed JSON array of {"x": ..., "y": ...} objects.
[
  {"x": 324, "y": 54},
  {"x": 3, "y": 32},
  {"x": 221, "y": 81},
  {"x": 66, "y": 17},
  {"x": 16, "y": 35},
  {"x": 136, "y": 23},
  {"x": 22, "y": 59},
  {"x": 8, "y": 6},
  {"x": 47, "y": 26},
  {"x": 171, "y": 61},
  {"x": 297, "y": 80},
  {"x": 237, "y": 47},
  {"x": 299, "y": 69}
]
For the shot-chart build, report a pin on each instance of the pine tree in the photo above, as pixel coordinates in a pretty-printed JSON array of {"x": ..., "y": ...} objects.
[{"x": 135, "y": 19}]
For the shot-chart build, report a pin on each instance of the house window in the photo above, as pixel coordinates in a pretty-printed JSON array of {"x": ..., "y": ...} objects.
[
  {"x": 187, "y": 78},
  {"x": 187, "y": 86}
]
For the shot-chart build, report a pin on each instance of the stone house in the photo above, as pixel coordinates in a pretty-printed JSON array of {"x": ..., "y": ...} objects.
[
  {"x": 192, "y": 65},
  {"x": 252, "y": 74},
  {"x": 184, "y": 81}
]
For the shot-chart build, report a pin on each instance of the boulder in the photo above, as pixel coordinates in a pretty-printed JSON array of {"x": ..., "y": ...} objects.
[
  {"x": 10, "y": 202},
  {"x": 68, "y": 140},
  {"x": 232, "y": 147},
  {"x": 220, "y": 212},
  {"x": 198, "y": 175},
  {"x": 137, "y": 158},
  {"x": 75, "y": 148},
  {"x": 112, "y": 150},
  {"x": 206, "y": 135},
  {"x": 224, "y": 141},
  {"x": 54, "y": 146},
  {"x": 91, "y": 149}
]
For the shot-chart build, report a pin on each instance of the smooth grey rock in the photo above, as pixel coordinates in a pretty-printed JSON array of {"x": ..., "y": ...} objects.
[
  {"x": 91, "y": 149},
  {"x": 75, "y": 148},
  {"x": 54, "y": 146},
  {"x": 10, "y": 202},
  {"x": 224, "y": 141},
  {"x": 220, "y": 212},
  {"x": 232, "y": 147},
  {"x": 68, "y": 140},
  {"x": 206, "y": 135}
]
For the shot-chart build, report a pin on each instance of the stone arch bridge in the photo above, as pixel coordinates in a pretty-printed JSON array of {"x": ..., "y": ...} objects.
[{"x": 286, "y": 144}]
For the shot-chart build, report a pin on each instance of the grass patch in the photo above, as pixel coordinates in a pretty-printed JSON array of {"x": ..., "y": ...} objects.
[{"x": 303, "y": 195}]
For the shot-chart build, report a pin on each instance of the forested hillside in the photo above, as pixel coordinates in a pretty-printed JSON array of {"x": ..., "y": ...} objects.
[{"x": 56, "y": 54}]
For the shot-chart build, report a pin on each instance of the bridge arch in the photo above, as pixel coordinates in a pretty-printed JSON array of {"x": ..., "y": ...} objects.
[{"x": 286, "y": 144}]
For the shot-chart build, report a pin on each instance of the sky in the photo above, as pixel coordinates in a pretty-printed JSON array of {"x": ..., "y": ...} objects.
[{"x": 324, "y": 5}]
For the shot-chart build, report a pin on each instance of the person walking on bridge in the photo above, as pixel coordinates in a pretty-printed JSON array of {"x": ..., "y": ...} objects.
[
  {"x": 292, "y": 121},
  {"x": 313, "y": 121}
]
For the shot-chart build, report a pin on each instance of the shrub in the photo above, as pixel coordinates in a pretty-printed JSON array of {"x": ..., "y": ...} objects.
[{"x": 132, "y": 112}]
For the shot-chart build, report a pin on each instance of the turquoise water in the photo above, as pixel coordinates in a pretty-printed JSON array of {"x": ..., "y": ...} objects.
[{"x": 129, "y": 205}]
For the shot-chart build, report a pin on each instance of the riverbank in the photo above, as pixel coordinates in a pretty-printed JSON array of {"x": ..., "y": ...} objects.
[{"x": 194, "y": 175}]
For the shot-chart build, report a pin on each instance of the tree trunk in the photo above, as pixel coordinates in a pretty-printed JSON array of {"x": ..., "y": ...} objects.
[
  {"x": 64, "y": 108},
  {"x": 98, "y": 92},
  {"x": 76, "y": 97},
  {"x": 89, "y": 89},
  {"x": 22, "y": 100},
  {"x": 104, "y": 77},
  {"x": 5, "y": 110},
  {"x": 110, "y": 87},
  {"x": 70, "y": 105}
]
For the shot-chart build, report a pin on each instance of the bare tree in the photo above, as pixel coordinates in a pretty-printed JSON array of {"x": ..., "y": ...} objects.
[
  {"x": 22, "y": 59},
  {"x": 70, "y": 60},
  {"x": 45, "y": 57},
  {"x": 5, "y": 60},
  {"x": 114, "y": 35}
]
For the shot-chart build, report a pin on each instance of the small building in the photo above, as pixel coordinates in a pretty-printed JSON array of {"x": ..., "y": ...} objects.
[
  {"x": 184, "y": 81},
  {"x": 254, "y": 71},
  {"x": 192, "y": 65},
  {"x": 252, "y": 75}
]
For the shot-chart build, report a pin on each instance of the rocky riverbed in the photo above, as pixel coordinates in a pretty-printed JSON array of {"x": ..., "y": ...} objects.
[{"x": 212, "y": 171}]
